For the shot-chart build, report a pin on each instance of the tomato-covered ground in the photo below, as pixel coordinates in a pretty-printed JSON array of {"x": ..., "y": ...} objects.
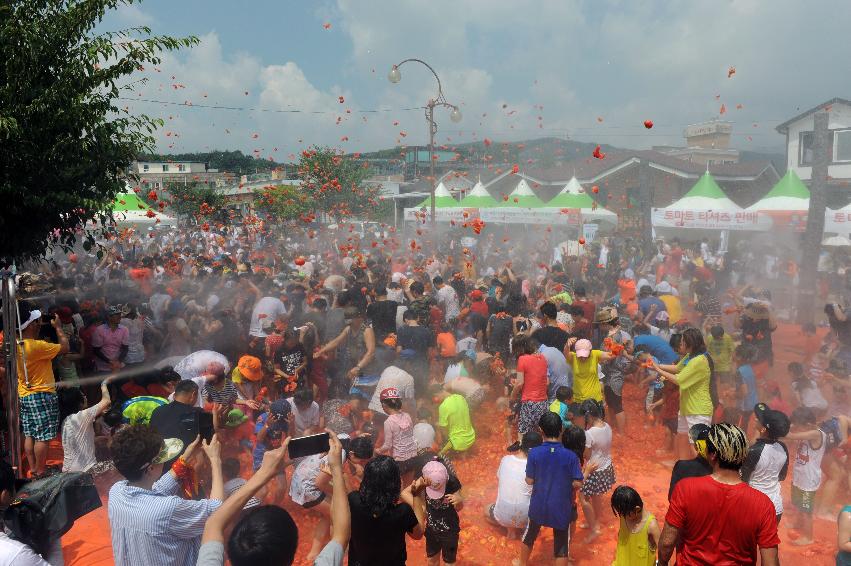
[{"x": 636, "y": 462}]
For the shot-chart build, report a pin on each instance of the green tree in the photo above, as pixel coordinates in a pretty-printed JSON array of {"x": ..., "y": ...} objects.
[
  {"x": 66, "y": 140},
  {"x": 285, "y": 202},
  {"x": 194, "y": 199},
  {"x": 335, "y": 183}
]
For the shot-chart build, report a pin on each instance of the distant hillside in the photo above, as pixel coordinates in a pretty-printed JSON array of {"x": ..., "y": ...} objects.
[{"x": 230, "y": 161}]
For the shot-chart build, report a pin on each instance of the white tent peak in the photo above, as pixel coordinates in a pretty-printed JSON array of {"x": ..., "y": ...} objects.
[
  {"x": 523, "y": 190},
  {"x": 441, "y": 191},
  {"x": 479, "y": 190},
  {"x": 573, "y": 187}
]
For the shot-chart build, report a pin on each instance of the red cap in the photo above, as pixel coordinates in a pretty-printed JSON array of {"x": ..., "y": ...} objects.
[
  {"x": 475, "y": 294},
  {"x": 389, "y": 393}
]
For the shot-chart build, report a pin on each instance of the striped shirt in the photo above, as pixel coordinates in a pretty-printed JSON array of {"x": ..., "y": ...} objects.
[
  {"x": 227, "y": 395},
  {"x": 156, "y": 527}
]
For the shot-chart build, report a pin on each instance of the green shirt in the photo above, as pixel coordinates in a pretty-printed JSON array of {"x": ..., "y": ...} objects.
[
  {"x": 721, "y": 351},
  {"x": 693, "y": 378},
  {"x": 454, "y": 415}
]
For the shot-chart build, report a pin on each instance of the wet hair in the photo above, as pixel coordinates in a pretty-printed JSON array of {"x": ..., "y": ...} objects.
[
  {"x": 693, "y": 339},
  {"x": 381, "y": 485},
  {"x": 395, "y": 404},
  {"x": 675, "y": 340},
  {"x": 424, "y": 413},
  {"x": 523, "y": 345},
  {"x": 409, "y": 315},
  {"x": 265, "y": 536},
  {"x": 230, "y": 468},
  {"x": 625, "y": 500},
  {"x": 530, "y": 440},
  {"x": 717, "y": 331},
  {"x": 516, "y": 304},
  {"x": 417, "y": 288},
  {"x": 803, "y": 415},
  {"x": 168, "y": 375},
  {"x": 579, "y": 291},
  {"x": 361, "y": 447},
  {"x": 549, "y": 310},
  {"x": 564, "y": 393},
  {"x": 133, "y": 448},
  {"x": 71, "y": 400},
  {"x": 591, "y": 409},
  {"x": 550, "y": 424},
  {"x": 576, "y": 310},
  {"x": 438, "y": 280},
  {"x": 303, "y": 396},
  {"x": 573, "y": 438},
  {"x": 320, "y": 304},
  {"x": 185, "y": 387}
]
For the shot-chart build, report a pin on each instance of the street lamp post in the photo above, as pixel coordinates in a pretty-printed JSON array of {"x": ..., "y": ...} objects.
[{"x": 394, "y": 77}]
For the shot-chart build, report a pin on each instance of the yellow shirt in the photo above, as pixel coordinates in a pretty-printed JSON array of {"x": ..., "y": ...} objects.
[
  {"x": 693, "y": 379},
  {"x": 39, "y": 355},
  {"x": 586, "y": 381},
  {"x": 672, "y": 305},
  {"x": 635, "y": 549},
  {"x": 454, "y": 415}
]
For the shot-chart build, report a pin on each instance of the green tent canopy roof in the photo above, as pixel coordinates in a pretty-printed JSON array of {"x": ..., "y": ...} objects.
[
  {"x": 572, "y": 196},
  {"x": 479, "y": 197},
  {"x": 442, "y": 198},
  {"x": 129, "y": 202},
  {"x": 789, "y": 186},
  {"x": 525, "y": 197},
  {"x": 706, "y": 187}
]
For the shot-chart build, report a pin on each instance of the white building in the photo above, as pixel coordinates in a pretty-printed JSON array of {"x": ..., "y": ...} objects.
[
  {"x": 157, "y": 174},
  {"x": 799, "y": 140}
]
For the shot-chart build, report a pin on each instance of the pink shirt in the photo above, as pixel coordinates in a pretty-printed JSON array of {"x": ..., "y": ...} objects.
[
  {"x": 110, "y": 342},
  {"x": 399, "y": 435}
]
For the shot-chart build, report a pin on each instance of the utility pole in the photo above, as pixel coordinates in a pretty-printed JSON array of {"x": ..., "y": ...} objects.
[{"x": 815, "y": 220}]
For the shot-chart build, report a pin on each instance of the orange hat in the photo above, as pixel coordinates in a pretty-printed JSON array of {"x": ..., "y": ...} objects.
[{"x": 251, "y": 368}]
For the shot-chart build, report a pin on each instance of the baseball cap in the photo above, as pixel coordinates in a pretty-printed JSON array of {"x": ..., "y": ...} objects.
[
  {"x": 664, "y": 288},
  {"x": 251, "y": 368},
  {"x": 775, "y": 422},
  {"x": 606, "y": 314},
  {"x": 437, "y": 476},
  {"x": 583, "y": 348},
  {"x": 475, "y": 294},
  {"x": 171, "y": 449},
  {"x": 280, "y": 407},
  {"x": 389, "y": 393},
  {"x": 235, "y": 418},
  {"x": 114, "y": 310}
]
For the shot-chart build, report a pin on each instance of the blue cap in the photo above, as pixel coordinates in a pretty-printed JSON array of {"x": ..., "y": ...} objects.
[{"x": 280, "y": 407}]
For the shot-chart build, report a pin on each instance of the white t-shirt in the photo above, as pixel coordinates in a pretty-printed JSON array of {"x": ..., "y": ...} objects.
[
  {"x": 448, "y": 298},
  {"x": 78, "y": 440},
  {"x": 464, "y": 344},
  {"x": 512, "y": 500},
  {"x": 392, "y": 377},
  {"x": 423, "y": 435},
  {"x": 16, "y": 553},
  {"x": 266, "y": 310},
  {"x": 303, "y": 484},
  {"x": 765, "y": 476},
  {"x": 599, "y": 440},
  {"x": 304, "y": 419},
  {"x": 806, "y": 475}
]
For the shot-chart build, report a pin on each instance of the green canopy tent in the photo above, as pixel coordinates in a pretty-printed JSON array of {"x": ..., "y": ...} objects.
[
  {"x": 479, "y": 197},
  {"x": 522, "y": 197},
  {"x": 128, "y": 208},
  {"x": 790, "y": 194},
  {"x": 442, "y": 199},
  {"x": 574, "y": 197}
]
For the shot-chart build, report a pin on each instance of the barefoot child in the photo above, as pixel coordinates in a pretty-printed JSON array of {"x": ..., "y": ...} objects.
[
  {"x": 639, "y": 532},
  {"x": 443, "y": 501},
  {"x": 599, "y": 470},
  {"x": 806, "y": 475},
  {"x": 398, "y": 432}
]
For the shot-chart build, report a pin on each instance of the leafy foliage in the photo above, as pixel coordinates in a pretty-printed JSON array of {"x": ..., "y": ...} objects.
[
  {"x": 285, "y": 202},
  {"x": 335, "y": 183},
  {"x": 65, "y": 140},
  {"x": 194, "y": 198}
]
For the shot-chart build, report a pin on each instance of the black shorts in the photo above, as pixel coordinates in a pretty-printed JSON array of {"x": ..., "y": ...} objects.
[
  {"x": 613, "y": 401},
  {"x": 447, "y": 543},
  {"x": 561, "y": 538},
  {"x": 576, "y": 409}
]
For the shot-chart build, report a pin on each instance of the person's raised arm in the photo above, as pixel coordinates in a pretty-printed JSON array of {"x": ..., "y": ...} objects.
[
  {"x": 213, "y": 449},
  {"x": 414, "y": 495},
  {"x": 105, "y": 399},
  {"x": 334, "y": 343},
  {"x": 811, "y": 435},
  {"x": 667, "y": 543},
  {"x": 341, "y": 518},
  {"x": 274, "y": 461},
  {"x": 64, "y": 346}
]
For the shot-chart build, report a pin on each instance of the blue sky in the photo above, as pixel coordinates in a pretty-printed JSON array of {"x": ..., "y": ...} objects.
[{"x": 593, "y": 71}]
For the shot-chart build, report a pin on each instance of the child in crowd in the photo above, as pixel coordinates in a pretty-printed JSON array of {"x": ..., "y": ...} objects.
[
  {"x": 398, "y": 433},
  {"x": 270, "y": 430},
  {"x": 746, "y": 392},
  {"x": 774, "y": 398},
  {"x": 291, "y": 364},
  {"x": 306, "y": 415},
  {"x": 443, "y": 501},
  {"x": 768, "y": 458},
  {"x": 638, "y": 534},
  {"x": 806, "y": 474},
  {"x": 649, "y": 378},
  {"x": 455, "y": 429},
  {"x": 233, "y": 481},
  {"x": 561, "y": 405},
  {"x": 424, "y": 434},
  {"x": 812, "y": 342},
  {"x": 808, "y": 392},
  {"x": 447, "y": 347},
  {"x": 599, "y": 471},
  {"x": 573, "y": 439},
  {"x": 720, "y": 346}
]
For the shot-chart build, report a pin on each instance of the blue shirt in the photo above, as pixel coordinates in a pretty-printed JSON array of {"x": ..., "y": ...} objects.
[
  {"x": 748, "y": 379},
  {"x": 260, "y": 448},
  {"x": 646, "y": 303},
  {"x": 657, "y": 347},
  {"x": 558, "y": 372},
  {"x": 554, "y": 469}
]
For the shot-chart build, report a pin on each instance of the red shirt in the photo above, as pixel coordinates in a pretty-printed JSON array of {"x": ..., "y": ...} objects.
[
  {"x": 588, "y": 308},
  {"x": 480, "y": 308},
  {"x": 721, "y": 524},
  {"x": 534, "y": 370}
]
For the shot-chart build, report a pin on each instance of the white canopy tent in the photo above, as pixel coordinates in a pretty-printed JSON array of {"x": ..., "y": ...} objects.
[{"x": 574, "y": 197}]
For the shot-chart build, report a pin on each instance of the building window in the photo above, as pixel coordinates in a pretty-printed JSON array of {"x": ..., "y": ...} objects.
[
  {"x": 145, "y": 167},
  {"x": 165, "y": 168},
  {"x": 805, "y": 154},
  {"x": 842, "y": 145},
  {"x": 181, "y": 167}
]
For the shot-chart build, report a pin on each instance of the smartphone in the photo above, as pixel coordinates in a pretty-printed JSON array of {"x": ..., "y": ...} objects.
[
  {"x": 309, "y": 445},
  {"x": 205, "y": 426}
]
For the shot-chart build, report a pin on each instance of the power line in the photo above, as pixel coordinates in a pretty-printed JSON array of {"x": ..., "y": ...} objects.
[{"x": 272, "y": 110}]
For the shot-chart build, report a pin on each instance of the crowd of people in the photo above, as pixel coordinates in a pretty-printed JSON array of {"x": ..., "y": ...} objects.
[{"x": 182, "y": 367}]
